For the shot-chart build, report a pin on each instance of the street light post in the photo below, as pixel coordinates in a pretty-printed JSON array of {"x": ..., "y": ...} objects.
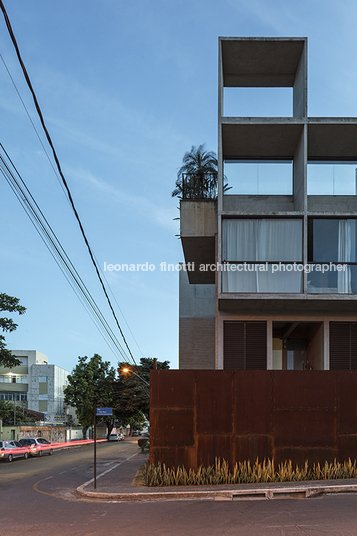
[{"x": 133, "y": 372}]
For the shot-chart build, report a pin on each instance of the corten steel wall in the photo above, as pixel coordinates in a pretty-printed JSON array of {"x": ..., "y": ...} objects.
[{"x": 196, "y": 415}]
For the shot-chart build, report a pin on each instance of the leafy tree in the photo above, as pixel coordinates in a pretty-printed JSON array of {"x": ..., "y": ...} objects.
[
  {"x": 197, "y": 177},
  {"x": 7, "y": 414},
  {"x": 92, "y": 383},
  {"x": 10, "y": 304},
  {"x": 133, "y": 391}
]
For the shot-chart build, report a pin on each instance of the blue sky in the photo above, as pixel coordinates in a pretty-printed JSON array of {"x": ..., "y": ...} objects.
[{"x": 126, "y": 88}]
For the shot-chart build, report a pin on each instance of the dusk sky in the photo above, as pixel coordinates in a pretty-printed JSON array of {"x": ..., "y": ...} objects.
[{"x": 126, "y": 88}]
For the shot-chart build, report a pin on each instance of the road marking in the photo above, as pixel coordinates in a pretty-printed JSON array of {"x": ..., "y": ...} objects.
[
  {"x": 86, "y": 499},
  {"x": 107, "y": 471}
]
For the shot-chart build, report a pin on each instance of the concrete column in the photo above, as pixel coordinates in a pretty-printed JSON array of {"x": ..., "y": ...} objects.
[
  {"x": 219, "y": 362},
  {"x": 326, "y": 346},
  {"x": 269, "y": 345}
]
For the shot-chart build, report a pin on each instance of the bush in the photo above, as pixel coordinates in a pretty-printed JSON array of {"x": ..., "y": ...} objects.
[{"x": 143, "y": 443}]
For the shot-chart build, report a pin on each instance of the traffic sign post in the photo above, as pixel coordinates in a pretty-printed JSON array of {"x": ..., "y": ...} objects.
[{"x": 100, "y": 412}]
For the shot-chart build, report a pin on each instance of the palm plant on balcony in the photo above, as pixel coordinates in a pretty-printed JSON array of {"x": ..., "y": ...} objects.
[{"x": 197, "y": 177}]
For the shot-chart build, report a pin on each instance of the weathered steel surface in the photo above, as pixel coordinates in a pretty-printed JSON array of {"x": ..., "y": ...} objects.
[
  {"x": 214, "y": 395},
  {"x": 196, "y": 416},
  {"x": 253, "y": 402}
]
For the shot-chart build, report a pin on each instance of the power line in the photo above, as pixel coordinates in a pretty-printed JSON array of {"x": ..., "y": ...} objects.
[
  {"x": 56, "y": 249},
  {"x": 33, "y": 125},
  {"x": 38, "y": 109},
  {"x": 61, "y": 184}
]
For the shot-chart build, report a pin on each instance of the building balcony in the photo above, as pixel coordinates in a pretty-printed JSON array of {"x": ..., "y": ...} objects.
[
  {"x": 198, "y": 227},
  {"x": 13, "y": 387}
]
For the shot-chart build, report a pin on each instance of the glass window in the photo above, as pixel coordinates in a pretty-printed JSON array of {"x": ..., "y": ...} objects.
[
  {"x": 260, "y": 255},
  {"x": 333, "y": 242},
  {"x": 251, "y": 240},
  {"x": 23, "y": 360},
  {"x": 331, "y": 178},
  {"x": 42, "y": 379},
  {"x": 259, "y": 177}
]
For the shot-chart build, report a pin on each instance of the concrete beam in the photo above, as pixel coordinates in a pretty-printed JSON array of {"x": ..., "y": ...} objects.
[
  {"x": 260, "y": 139},
  {"x": 260, "y": 62},
  {"x": 285, "y": 305}
]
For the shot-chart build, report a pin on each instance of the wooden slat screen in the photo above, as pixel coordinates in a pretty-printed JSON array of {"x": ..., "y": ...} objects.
[
  {"x": 245, "y": 345},
  {"x": 343, "y": 345},
  {"x": 234, "y": 336}
]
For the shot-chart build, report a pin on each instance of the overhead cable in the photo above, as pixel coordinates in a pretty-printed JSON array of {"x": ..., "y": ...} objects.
[
  {"x": 38, "y": 109},
  {"x": 57, "y": 251}
]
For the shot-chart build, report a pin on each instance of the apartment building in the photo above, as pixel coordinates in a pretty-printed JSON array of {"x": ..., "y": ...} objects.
[
  {"x": 35, "y": 384},
  {"x": 275, "y": 256}
]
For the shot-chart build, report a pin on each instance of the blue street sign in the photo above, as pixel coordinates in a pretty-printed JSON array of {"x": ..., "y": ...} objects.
[{"x": 104, "y": 411}]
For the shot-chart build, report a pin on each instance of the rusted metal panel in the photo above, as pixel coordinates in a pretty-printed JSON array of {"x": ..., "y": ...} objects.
[
  {"x": 253, "y": 402},
  {"x": 310, "y": 427},
  {"x": 214, "y": 395},
  {"x": 196, "y": 416},
  {"x": 253, "y": 446},
  {"x": 304, "y": 389},
  {"x": 347, "y": 407},
  {"x": 210, "y": 447},
  {"x": 174, "y": 457},
  {"x": 347, "y": 447},
  {"x": 172, "y": 390},
  {"x": 172, "y": 427},
  {"x": 300, "y": 455}
]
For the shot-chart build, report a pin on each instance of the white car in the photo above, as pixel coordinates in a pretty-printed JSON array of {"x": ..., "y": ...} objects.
[
  {"x": 11, "y": 449},
  {"x": 116, "y": 437},
  {"x": 37, "y": 445}
]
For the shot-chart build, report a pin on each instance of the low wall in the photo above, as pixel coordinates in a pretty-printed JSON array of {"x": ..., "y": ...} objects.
[
  {"x": 54, "y": 434},
  {"x": 241, "y": 415}
]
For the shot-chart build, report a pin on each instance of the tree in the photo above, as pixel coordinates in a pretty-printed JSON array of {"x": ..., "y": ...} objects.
[
  {"x": 10, "y": 304},
  {"x": 92, "y": 383},
  {"x": 133, "y": 391},
  {"x": 7, "y": 414},
  {"x": 197, "y": 177}
]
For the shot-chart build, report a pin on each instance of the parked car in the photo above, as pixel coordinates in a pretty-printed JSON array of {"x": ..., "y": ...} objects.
[
  {"x": 113, "y": 437},
  {"x": 136, "y": 433},
  {"x": 11, "y": 449},
  {"x": 37, "y": 445}
]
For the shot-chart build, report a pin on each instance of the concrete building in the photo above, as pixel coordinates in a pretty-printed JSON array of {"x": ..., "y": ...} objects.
[
  {"x": 35, "y": 384},
  {"x": 280, "y": 290}
]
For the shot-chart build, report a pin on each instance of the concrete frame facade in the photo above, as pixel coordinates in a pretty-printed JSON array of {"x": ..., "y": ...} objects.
[
  {"x": 268, "y": 62},
  {"x": 44, "y": 383}
]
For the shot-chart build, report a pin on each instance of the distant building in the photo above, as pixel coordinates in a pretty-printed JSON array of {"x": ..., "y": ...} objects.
[{"x": 35, "y": 384}]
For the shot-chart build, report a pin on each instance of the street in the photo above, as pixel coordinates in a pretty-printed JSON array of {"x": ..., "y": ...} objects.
[{"x": 37, "y": 497}]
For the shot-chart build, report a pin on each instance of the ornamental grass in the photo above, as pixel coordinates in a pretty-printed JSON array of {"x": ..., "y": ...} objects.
[{"x": 246, "y": 473}]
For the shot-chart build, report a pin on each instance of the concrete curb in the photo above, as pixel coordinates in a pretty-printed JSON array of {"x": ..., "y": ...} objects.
[{"x": 223, "y": 495}]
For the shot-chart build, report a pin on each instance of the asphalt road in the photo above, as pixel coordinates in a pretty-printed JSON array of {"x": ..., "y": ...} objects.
[{"x": 37, "y": 498}]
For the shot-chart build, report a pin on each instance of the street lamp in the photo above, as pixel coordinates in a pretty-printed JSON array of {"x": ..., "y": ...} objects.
[{"x": 126, "y": 370}]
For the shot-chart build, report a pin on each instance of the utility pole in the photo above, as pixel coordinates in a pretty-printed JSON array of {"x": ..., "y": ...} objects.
[{"x": 95, "y": 446}]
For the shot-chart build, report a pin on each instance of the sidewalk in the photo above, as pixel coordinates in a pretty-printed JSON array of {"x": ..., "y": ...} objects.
[{"x": 116, "y": 483}]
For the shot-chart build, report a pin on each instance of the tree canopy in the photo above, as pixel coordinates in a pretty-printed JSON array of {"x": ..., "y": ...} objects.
[
  {"x": 133, "y": 390},
  {"x": 90, "y": 384},
  {"x": 7, "y": 414},
  {"x": 93, "y": 382},
  {"x": 11, "y": 305}
]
